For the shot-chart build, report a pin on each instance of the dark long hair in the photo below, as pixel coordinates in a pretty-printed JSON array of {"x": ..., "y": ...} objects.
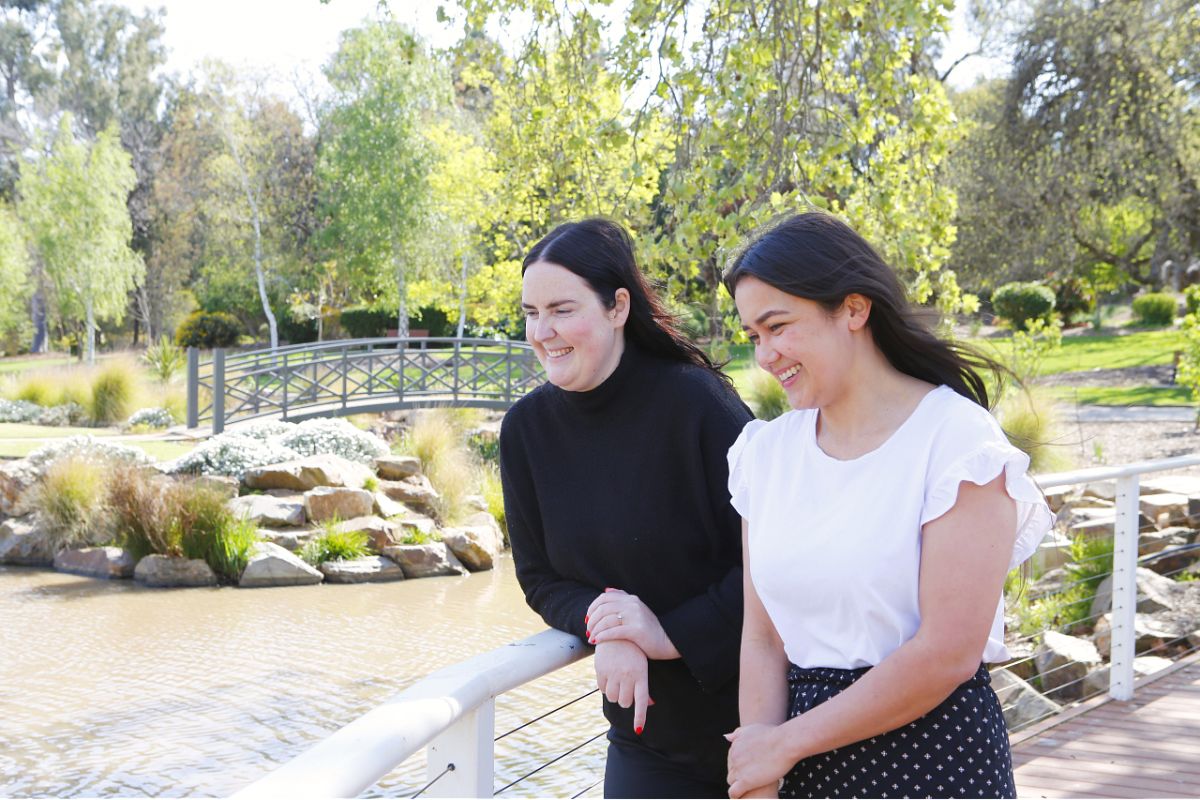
[
  {"x": 601, "y": 252},
  {"x": 820, "y": 258}
]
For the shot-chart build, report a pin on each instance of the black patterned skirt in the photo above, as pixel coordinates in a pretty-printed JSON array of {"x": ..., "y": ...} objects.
[{"x": 959, "y": 749}]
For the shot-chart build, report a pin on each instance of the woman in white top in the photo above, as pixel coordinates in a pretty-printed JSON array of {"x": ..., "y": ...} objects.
[{"x": 879, "y": 520}]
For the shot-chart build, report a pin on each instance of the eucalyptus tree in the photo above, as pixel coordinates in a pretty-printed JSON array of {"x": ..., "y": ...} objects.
[
  {"x": 73, "y": 203},
  {"x": 15, "y": 285}
]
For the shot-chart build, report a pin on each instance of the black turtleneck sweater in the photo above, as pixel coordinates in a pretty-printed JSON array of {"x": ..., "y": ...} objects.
[{"x": 626, "y": 486}]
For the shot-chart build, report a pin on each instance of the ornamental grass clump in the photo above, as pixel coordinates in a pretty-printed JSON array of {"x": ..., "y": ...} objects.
[
  {"x": 493, "y": 495},
  {"x": 112, "y": 394},
  {"x": 766, "y": 396},
  {"x": 73, "y": 499},
  {"x": 143, "y": 507},
  {"x": 437, "y": 440},
  {"x": 333, "y": 544},
  {"x": 1030, "y": 420},
  {"x": 209, "y": 530}
]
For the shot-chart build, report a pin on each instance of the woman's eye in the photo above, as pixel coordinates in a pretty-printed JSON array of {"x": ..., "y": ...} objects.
[
  {"x": 530, "y": 314},
  {"x": 753, "y": 339},
  {"x": 775, "y": 327},
  {"x": 562, "y": 312}
]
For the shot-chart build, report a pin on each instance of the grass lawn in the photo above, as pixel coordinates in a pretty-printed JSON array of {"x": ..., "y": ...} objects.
[
  {"x": 1123, "y": 395},
  {"x": 156, "y": 448},
  {"x": 1101, "y": 351},
  {"x": 26, "y": 363},
  {"x": 20, "y": 439}
]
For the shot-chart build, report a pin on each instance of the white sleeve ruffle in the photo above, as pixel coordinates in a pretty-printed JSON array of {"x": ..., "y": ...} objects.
[
  {"x": 739, "y": 468},
  {"x": 981, "y": 466}
]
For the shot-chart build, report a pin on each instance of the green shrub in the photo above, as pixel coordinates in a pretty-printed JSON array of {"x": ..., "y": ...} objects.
[
  {"x": 1073, "y": 298},
  {"x": 208, "y": 529},
  {"x": 296, "y": 331},
  {"x": 367, "y": 323},
  {"x": 208, "y": 329},
  {"x": 766, "y": 396},
  {"x": 1191, "y": 296},
  {"x": 72, "y": 498},
  {"x": 493, "y": 495},
  {"x": 1020, "y": 302},
  {"x": 334, "y": 545},
  {"x": 434, "y": 320},
  {"x": 112, "y": 395},
  {"x": 1154, "y": 308},
  {"x": 164, "y": 358}
]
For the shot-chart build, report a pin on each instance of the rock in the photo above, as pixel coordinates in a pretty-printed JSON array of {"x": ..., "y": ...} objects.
[
  {"x": 417, "y": 524},
  {"x": 270, "y": 512},
  {"x": 17, "y": 479},
  {"x": 1152, "y": 632},
  {"x": 476, "y": 543},
  {"x": 1193, "y": 510},
  {"x": 1104, "y": 490},
  {"x": 1021, "y": 703},
  {"x": 1164, "y": 509},
  {"x": 386, "y": 507},
  {"x": 380, "y": 532},
  {"x": 370, "y": 569},
  {"x": 1175, "y": 555},
  {"x": 1148, "y": 665},
  {"x": 476, "y": 501},
  {"x": 25, "y": 542},
  {"x": 1020, "y": 662},
  {"x": 425, "y": 560},
  {"x": 223, "y": 485},
  {"x": 96, "y": 562},
  {"x": 396, "y": 468},
  {"x": 1063, "y": 662},
  {"x": 156, "y": 570},
  {"x": 288, "y": 538},
  {"x": 330, "y": 502},
  {"x": 1100, "y": 523},
  {"x": 308, "y": 473},
  {"x": 1052, "y": 552},
  {"x": 1193, "y": 638},
  {"x": 272, "y": 565},
  {"x": 1157, "y": 541},
  {"x": 1187, "y": 485},
  {"x": 1155, "y": 593},
  {"x": 416, "y": 492},
  {"x": 1057, "y": 498}
]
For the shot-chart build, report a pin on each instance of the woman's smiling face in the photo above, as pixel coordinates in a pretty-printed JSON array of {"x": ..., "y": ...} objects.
[{"x": 577, "y": 340}]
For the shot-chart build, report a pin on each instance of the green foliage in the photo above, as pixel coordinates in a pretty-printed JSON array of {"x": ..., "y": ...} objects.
[
  {"x": 1073, "y": 298},
  {"x": 1188, "y": 373},
  {"x": 112, "y": 395},
  {"x": 15, "y": 285},
  {"x": 1191, "y": 297},
  {"x": 1031, "y": 422},
  {"x": 766, "y": 396},
  {"x": 334, "y": 545},
  {"x": 493, "y": 494},
  {"x": 1068, "y": 610},
  {"x": 1155, "y": 308},
  {"x": 415, "y": 536},
  {"x": 1031, "y": 346},
  {"x": 1022, "y": 302},
  {"x": 438, "y": 438},
  {"x": 143, "y": 511},
  {"x": 366, "y": 323},
  {"x": 164, "y": 358},
  {"x": 370, "y": 483},
  {"x": 206, "y": 528},
  {"x": 72, "y": 499},
  {"x": 208, "y": 329}
]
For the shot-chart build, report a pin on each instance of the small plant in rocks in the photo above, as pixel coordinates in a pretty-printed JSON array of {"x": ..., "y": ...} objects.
[{"x": 334, "y": 545}]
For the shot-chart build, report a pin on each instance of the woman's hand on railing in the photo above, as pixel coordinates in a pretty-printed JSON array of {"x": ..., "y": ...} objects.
[
  {"x": 623, "y": 676},
  {"x": 616, "y": 615},
  {"x": 757, "y": 760}
]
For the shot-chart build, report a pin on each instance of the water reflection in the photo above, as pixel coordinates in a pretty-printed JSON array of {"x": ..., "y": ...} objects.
[{"x": 110, "y": 689}]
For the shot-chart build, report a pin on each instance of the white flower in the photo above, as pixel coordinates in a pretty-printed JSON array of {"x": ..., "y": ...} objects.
[
  {"x": 86, "y": 447},
  {"x": 151, "y": 418}
]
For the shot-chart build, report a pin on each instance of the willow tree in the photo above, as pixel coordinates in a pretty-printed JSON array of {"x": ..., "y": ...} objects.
[{"x": 73, "y": 203}]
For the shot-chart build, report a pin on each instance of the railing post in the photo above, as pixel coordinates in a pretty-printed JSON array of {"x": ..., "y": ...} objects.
[
  {"x": 287, "y": 377},
  {"x": 345, "y": 374},
  {"x": 468, "y": 745},
  {"x": 508, "y": 356},
  {"x": 218, "y": 405},
  {"x": 193, "y": 387},
  {"x": 1124, "y": 589}
]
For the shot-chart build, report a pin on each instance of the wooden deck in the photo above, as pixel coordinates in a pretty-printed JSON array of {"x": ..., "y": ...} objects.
[{"x": 1147, "y": 747}]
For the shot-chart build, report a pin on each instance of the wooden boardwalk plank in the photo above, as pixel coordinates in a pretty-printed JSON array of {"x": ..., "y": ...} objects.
[{"x": 1148, "y": 747}]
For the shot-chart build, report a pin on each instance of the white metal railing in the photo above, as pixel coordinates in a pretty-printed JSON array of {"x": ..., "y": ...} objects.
[{"x": 453, "y": 710}]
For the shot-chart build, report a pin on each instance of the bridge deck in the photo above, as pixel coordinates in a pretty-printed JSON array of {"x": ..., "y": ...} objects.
[{"x": 1147, "y": 747}]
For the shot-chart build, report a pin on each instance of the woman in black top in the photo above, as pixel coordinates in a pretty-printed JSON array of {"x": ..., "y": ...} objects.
[{"x": 615, "y": 491}]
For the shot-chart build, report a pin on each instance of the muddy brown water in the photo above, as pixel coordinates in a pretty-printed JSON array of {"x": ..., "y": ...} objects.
[{"x": 109, "y": 689}]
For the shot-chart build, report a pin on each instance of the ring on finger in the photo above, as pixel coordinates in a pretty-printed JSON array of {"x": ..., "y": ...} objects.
[{"x": 620, "y": 618}]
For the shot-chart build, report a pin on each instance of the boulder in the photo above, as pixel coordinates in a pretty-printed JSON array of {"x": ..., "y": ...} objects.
[
  {"x": 221, "y": 484},
  {"x": 1154, "y": 593},
  {"x": 1148, "y": 665},
  {"x": 1057, "y": 498},
  {"x": 1170, "y": 552},
  {"x": 1157, "y": 541},
  {"x": 1063, "y": 662},
  {"x": 1020, "y": 661},
  {"x": 1022, "y": 704},
  {"x": 1164, "y": 509},
  {"x": 1103, "y": 490},
  {"x": 17, "y": 480},
  {"x": 416, "y": 523},
  {"x": 380, "y": 533},
  {"x": 25, "y": 542},
  {"x": 369, "y": 569},
  {"x": 267, "y": 511},
  {"x": 336, "y": 502},
  {"x": 156, "y": 570},
  {"x": 416, "y": 492},
  {"x": 425, "y": 560},
  {"x": 1052, "y": 552},
  {"x": 96, "y": 562},
  {"x": 397, "y": 468},
  {"x": 477, "y": 543},
  {"x": 476, "y": 502},
  {"x": 272, "y": 565},
  {"x": 386, "y": 507},
  {"x": 1187, "y": 485},
  {"x": 1152, "y": 632},
  {"x": 288, "y": 538},
  {"x": 308, "y": 473}
]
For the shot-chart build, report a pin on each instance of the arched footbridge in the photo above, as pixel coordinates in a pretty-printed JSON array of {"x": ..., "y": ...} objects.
[{"x": 356, "y": 376}]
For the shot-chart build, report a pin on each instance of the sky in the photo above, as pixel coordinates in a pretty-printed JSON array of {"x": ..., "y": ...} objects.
[{"x": 283, "y": 37}]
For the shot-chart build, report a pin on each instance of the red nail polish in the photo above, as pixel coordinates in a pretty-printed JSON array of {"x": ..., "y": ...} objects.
[
  {"x": 591, "y": 641},
  {"x": 638, "y": 730},
  {"x": 586, "y": 618},
  {"x": 588, "y": 634}
]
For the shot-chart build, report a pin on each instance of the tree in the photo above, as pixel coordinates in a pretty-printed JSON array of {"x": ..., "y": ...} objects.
[
  {"x": 373, "y": 162},
  {"x": 73, "y": 201},
  {"x": 14, "y": 275}
]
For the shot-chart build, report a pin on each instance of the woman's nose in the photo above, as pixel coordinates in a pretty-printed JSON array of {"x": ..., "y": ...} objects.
[{"x": 543, "y": 329}]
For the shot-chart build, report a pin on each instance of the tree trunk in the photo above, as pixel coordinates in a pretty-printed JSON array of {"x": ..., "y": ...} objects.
[
  {"x": 462, "y": 299},
  {"x": 402, "y": 291},
  {"x": 90, "y": 335},
  {"x": 41, "y": 336}
]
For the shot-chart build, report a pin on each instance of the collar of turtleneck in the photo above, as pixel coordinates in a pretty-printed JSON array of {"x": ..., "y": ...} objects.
[{"x": 603, "y": 396}]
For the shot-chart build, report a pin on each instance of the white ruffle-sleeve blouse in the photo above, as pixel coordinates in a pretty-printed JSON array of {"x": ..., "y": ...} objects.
[{"x": 835, "y": 546}]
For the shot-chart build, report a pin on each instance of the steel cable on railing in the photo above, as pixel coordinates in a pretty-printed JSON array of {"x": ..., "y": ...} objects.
[
  {"x": 588, "y": 789},
  {"x": 551, "y": 761},
  {"x": 440, "y": 775},
  {"x": 548, "y": 713}
]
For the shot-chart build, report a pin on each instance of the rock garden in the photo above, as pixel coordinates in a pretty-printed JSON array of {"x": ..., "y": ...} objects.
[
  {"x": 270, "y": 504},
  {"x": 1060, "y": 616}
]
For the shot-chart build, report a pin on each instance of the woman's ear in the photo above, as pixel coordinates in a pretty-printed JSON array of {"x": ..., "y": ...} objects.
[
  {"x": 858, "y": 310},
  {"x": 620, "y": 309}
]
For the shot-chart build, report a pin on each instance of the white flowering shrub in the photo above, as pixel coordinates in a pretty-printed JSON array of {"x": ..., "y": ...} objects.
[
  {"x": 232, "y": 454},
  {"x": 151, "y": 418},
  {"x": 87, "y": 447},
  {"x": 19, "y": 411},
  {"x": 61, "y": 415},
  {"x": 265, "y": 429},
  {"x": 337, "y": 436}
]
